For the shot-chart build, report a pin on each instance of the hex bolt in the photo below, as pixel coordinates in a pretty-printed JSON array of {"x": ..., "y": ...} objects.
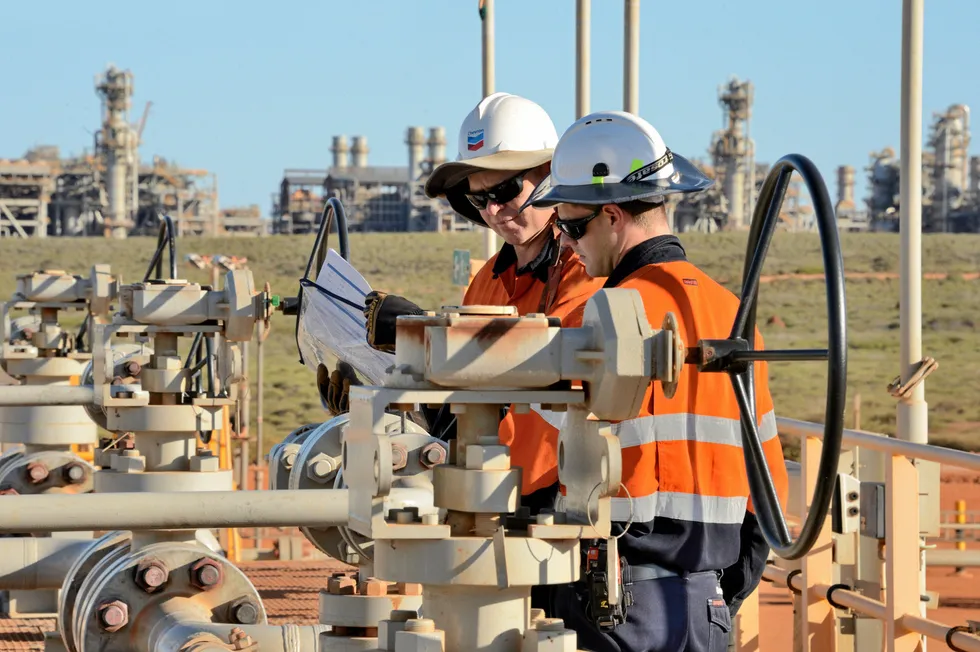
[
  {"x": 37, "y": 472},
  {"x": 321, "y": 469},
  {"x": 289, "y": 459},
  {"x": 432, "y": 455},
  {"x": 134, "y": 368},
  {"x": 113, "y": 616},
  {"x": 245, "y": 612},
  {"x": 399, "y": 457},
  {"x": 74, "y": 473},
  {"x": 206, "y": 574},
  {"x": 151, "y": 574}
]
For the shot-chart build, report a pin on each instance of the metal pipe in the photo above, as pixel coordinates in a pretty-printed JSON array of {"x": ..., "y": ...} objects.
[
  {"x": 31, "y": 564},
  {"x": 172, "y": 510},
  {"x": 885, "y": 444},
  {"x": 45, "y": 395},
  {"x": 486, "y": 17},
  {"x": 873, "y": 608},
  {"x": 631, "y": 57},
  {"x": 912, "y": 410},
  {"x": 183, "y": 629},
  {"x": 954, "y": 558},
  {"x": 583, "y": 20}
]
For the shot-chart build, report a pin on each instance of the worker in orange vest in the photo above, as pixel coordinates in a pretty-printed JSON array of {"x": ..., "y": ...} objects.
[
  {"x": 505, "y": 145},
  {"x": 690, "y": 542}
]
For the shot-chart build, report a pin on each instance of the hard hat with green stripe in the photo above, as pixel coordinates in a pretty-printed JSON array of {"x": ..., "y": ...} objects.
[{"x": 611, "y": 157}]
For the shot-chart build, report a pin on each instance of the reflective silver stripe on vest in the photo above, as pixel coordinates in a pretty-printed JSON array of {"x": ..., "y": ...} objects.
[
  {"x": 689, "y": 427},
  {"x": 677, "y": 506}
]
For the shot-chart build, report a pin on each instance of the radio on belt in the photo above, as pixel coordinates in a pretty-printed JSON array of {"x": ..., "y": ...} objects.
[{"x": 603, "y": 572}]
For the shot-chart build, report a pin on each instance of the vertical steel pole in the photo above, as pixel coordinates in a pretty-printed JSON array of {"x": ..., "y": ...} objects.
[
  {"x": 913, "y": 411},
  {"x": 489, "y": 237},
  {"x": 631, "y": 57},
  {"x": 583, "y": 19}
]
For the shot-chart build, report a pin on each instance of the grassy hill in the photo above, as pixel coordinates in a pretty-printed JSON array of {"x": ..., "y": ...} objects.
[{"x": 419, "y": 267}]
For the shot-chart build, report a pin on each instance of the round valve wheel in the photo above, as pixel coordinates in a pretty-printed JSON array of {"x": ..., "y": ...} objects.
[{"x": 735, "y": 356}]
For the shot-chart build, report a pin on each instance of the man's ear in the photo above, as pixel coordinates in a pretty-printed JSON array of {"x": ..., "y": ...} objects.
[{"x": 618, "y": 218}]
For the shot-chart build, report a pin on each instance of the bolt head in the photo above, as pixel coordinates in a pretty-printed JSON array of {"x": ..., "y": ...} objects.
[
  {"x": 152, "y": 575},
  {"x": 74, "y": 473},
  {"x": 206, "y": 574},
  {"x": 133, "y": 368},
  {"x": 113, "y": 616},
  {"x": 245, "y": 612},
  {"x": 37, "y": 472},
  {"x": 399, "y": 457},
  {"x": 289, "y": 459}
]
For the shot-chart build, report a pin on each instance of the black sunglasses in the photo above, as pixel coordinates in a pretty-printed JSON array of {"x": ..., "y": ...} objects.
[
  {"x": 501, "y": 193},
  {"x": 575, "y": 228}
]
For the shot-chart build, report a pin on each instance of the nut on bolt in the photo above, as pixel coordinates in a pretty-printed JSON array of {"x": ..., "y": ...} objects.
[
  {"x": 113, "y": 616},
  {"x": 244, "y": 611},
  {"x": 37, "y": 472},
  {"x": 151, "y": 574},
  {"x": 206, "y": 574},
  {"x": 74, "y": 473},
  {"x": 399, "y": 457},
  {"x": 432, "y": 455}
]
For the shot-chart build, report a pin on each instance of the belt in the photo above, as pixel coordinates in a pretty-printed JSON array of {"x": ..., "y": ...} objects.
[{"x": 641, "y": 572}]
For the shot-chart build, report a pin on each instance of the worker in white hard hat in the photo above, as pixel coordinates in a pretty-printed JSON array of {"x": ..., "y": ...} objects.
[
  {"x": 689, "y": 540},
  {"x": 505, "y": 147}
]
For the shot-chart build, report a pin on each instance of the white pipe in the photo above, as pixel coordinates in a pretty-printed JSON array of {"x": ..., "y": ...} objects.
[
  {"x": 631, "y": 57},
  {"x": 583, "y": 20},
  {"x": 44, "y": 395},
  {"x": 30, "y": 564},
  {"x": 489, "y": 237},
  {"x": 172, "y": 511}
]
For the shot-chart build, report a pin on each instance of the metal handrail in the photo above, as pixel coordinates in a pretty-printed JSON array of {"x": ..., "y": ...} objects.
[{"x": 885, "y": 444}]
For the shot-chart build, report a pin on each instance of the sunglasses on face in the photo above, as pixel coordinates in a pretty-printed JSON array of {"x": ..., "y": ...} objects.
[
  {"x": 575, "y": 227},
  {"x": 501, "y": 193}
]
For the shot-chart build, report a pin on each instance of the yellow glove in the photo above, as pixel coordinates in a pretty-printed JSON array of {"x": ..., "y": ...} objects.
[
  {"x": 338, "y": 389},
  {"x": 381, "y": 310}
]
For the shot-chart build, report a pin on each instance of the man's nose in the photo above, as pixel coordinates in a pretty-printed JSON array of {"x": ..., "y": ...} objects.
[
  {"x": 566, "y": 241},
  {"x": 493, "y": 208}
]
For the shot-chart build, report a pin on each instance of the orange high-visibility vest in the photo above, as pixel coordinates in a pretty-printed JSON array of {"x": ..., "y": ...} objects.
[
  {"x": 498, "y": 283},
  {"x": 686, "y": 490}
]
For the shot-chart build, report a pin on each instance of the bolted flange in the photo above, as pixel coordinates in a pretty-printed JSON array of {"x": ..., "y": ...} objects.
[
  {"x": 206, "y": 574},
  {"x": 113, "y": 616},
  {"x": 151, "y": 574}
]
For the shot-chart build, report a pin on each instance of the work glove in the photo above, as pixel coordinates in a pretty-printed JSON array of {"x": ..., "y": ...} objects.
[
  {"x": 338, "y": 388},
  {"x": 381, "y": 310}
]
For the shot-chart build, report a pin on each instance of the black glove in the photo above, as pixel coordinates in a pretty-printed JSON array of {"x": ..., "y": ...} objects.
[
  {"x": 338, "y": 389},
  {"x": 381, "y": 310}
]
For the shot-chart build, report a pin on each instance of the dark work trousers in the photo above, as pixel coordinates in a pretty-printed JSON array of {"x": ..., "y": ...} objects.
[{"x": 673, "y": 614}]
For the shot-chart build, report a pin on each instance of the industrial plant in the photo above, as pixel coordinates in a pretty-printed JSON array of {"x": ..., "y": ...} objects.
[{"x": 111, "y": 192}]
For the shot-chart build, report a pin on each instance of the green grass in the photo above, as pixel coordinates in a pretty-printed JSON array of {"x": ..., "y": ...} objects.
[{"x": 418, "y": 266}]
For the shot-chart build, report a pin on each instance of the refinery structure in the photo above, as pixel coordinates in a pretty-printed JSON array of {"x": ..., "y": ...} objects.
[{"x": 110, "y": 192}]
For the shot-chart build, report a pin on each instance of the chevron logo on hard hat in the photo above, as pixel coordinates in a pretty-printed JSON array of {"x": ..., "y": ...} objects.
[{"x": 474, "y": 140}]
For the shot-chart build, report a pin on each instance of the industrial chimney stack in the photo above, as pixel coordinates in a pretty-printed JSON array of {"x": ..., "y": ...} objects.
[
  {"x": 437, "y": 145},
  {"x": 339, "y": 151},
  {"x": 845, "y": 187},
  {"x": 415, "y": 139},
  {"x": 360, "y": 151}
]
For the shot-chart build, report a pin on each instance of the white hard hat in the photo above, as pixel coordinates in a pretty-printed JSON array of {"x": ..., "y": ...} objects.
[
  {"x": 610, "y": 157},
  {"x": 503, "y": 132}
]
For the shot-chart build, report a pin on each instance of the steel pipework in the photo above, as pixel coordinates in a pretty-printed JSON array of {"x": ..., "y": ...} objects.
[
  {"x": 31, "y": 564},
  {"x": 172, "y": 511},
  {"x": 43, "y": 395}
]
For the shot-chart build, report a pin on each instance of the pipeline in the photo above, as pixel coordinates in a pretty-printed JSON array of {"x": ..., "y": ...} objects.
[
  {"x": 172, "y": 511},
  {"x": 31, "y": 564},
  {"x": 44, "y": 395}
]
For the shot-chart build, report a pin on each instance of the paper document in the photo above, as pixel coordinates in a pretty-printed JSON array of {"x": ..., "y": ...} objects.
[{"x": 332, "y": 324}]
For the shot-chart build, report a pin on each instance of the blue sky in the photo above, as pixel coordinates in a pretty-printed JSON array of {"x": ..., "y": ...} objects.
[{"x": 248, "y": 88}]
